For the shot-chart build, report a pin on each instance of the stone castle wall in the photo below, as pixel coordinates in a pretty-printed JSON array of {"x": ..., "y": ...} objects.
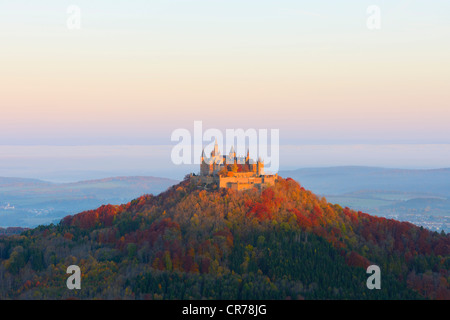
[{"x": 242, "y": 181}]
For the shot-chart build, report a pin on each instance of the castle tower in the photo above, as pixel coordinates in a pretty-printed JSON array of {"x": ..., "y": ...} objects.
[
  {"x": 206, "y": 165},
  {"x": 216, "y": 149},
  {"x": 204, "y": 168},
  {"x": 251, "y": 165},
  {"x": 232, "y": 156},
  {"x": 260, "y": 167}
]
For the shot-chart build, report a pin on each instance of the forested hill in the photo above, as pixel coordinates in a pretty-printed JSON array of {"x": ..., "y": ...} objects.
[{"x": 191, "y": 243}]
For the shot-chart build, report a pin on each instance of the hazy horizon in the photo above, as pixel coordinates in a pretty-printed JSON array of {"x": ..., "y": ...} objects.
[{"x": 77, "y": 163}]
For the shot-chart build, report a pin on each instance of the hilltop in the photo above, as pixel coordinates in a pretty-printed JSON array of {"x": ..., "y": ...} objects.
[{"x": 189, "y": 243}]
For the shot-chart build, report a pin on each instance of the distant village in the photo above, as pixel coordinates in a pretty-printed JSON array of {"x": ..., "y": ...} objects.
[{"x": 6, "y": 206}]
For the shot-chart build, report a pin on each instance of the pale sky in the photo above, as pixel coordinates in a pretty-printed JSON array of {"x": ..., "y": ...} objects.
[{"x": 137, "y": 70}]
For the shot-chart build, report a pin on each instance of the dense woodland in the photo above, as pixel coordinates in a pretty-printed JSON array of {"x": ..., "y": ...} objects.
[
  {"x": 12, "y": 230},
  {"x": 191, "y": 243}
]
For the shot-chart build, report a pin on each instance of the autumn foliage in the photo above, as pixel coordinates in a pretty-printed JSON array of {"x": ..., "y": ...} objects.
[{"x": 222, "y": 238}]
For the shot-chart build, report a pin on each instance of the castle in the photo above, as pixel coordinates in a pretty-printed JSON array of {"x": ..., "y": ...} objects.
[{"x": 237, "y": 173}]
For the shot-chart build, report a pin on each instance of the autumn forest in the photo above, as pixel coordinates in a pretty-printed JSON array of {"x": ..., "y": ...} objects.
[{"x": 190, "y": 243}]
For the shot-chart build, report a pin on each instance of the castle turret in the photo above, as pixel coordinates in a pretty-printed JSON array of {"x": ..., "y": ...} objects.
[
  {"x": 206, "y": 165},
  {"x": 232, "y": 153},
  {"x": 216, "y": 149},
  {"x": 260, "y": 167}
]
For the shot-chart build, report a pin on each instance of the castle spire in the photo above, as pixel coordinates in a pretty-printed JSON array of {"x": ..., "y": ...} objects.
[
  {"x": 216, "y": 148},
  {"x": 232, "y": 155}
]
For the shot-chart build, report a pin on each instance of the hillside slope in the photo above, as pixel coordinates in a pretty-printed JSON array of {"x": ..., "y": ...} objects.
[
  {"x": 189, "y": 243},
  {"x": 419, "y": 196}
]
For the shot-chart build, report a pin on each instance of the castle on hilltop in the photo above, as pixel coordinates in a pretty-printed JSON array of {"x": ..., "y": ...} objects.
[{"x": 230, "y": 171}]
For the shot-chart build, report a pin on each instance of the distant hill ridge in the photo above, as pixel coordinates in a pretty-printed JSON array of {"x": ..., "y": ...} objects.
[
  {"x": 11, "y": 181},
  {"x": 37, "y": 202},
  {"x": 347, "y": 179}
]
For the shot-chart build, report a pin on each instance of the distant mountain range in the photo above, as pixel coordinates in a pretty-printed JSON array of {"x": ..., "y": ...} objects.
[
  {"x": 30, "y": 202},
  {"x": 339, "y": 180}
]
